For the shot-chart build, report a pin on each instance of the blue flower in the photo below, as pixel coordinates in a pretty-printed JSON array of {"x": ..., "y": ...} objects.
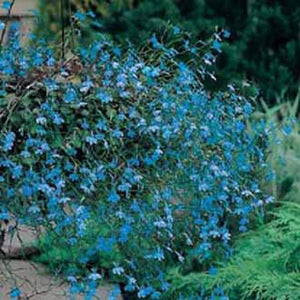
[
  {"x": 125, "y": 230},
  {"x": 145, "y": 292},
  {"x": 115, "y": 293},
  {"x": 57, "y": 119},
  {"x": 165, "y": 286},
  {"x": 70, "y": 95},
  {"x": 86, "y": 86},
  {"x": 17, "y": 171},
  {"x": 113, "y": 197},
  {"x": 72, "y": 241},
  {"x": 91, "y": 14},
  {"x": 226, "y": 34},
  {"x": 105, "y": 244},
  {"x": 91, "y": 140},
  {"x": 85, "y": 124},
  {"x": 9, "y": 141},
  {"x": 158, "y": 254},
  {"x": 103, "y": 96},
  {"x": 75, "y": 288},
  {"x": 154, "y": 42},
  {"x": 212, "y": 271},
  {"x": 118, "y": 270},
  {"x": 242, "y": 228},
  {"x": 117, "y": 133},
  {"x": 102, "y": 125},
  {"x": 34, "y": 209},
  {"x": 27, "y": 191},
  {"x": 156, "y": 295},
  {"x": 217, "y": 45},
  {"x": 80, "y": 16},
  {"x": 176, "y": 30},
  {"x": 247, "y": 109},
  {"x": 50, "y": 84},
  {"x": 6, "y": 5},
  {"x": 240, "y": 126},
  {"x": 95, "y": 276},
  {"x": 15, "y": 293},
  {"x": 4, "y": 215}
]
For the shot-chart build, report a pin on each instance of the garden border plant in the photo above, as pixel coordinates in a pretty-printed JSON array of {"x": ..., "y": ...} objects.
[{"x": 130, "y": 140}]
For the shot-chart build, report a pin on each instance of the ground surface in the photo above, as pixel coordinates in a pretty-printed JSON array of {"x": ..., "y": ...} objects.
[{"x": 31, "y": 278}]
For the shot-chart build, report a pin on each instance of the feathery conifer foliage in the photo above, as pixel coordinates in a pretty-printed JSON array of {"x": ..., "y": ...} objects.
[{"x": 266, "y": 264}]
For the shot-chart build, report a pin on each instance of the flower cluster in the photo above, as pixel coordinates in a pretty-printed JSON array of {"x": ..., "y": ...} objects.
[{"x": 133, "y": 141}]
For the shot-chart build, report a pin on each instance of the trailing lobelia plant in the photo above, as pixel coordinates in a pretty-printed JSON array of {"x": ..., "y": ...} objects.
[{"x": 130, "y": 141}]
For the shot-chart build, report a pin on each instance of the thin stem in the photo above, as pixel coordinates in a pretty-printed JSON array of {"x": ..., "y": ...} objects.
[
  {"x": 71, "y": 24},
  {"x": 62, "y": 16},
  {"x": 6, "y": 21}
]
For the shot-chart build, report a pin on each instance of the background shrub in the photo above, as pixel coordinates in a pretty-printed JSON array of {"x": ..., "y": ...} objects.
[{"x": 263, "y": 47}]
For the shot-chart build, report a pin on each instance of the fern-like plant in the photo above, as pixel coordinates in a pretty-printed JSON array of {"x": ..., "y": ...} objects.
[{"x": 265, "y": 266}]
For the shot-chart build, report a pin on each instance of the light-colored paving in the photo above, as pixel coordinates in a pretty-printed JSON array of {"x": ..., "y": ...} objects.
[
  {"x": 33, "y": 279},
  {"x": 17, "y": 240},
  {"x": 36, "y": 284},
  {"x": 21, "y": 7}
]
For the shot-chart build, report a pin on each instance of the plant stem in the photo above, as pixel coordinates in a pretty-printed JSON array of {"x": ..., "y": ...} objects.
[{"x": 62, "y": 16}]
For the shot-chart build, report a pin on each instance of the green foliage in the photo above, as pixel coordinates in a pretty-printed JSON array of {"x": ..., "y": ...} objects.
[
  {"x": 62, "y": 259},
  {"x": 284, "y": 150},
  {"x": 127, "y": 156},
  {"x": 266, "y": 260},
  {"x": 265, "y": 33},
  {"x": 266, "y": 263}
]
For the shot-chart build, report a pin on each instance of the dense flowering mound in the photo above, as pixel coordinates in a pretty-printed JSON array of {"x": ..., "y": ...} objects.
[{"x": 127, "y": 151}]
